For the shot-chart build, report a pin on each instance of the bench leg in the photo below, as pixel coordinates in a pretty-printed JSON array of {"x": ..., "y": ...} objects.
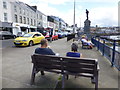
[
  {"x": 96, "y": 82},
  {"x": 33, "y": 76},
  {"x": 42, "y": 73},
  {"x": 93, "y": 80},
  {"x": 67, "y": 76},
  {"x": 63, "y": 81}
]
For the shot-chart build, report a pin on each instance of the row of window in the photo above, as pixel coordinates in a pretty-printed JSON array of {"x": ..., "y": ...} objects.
[
  {"x": 23, "y": 11},
  {"x": 27, "y": 12},
  {"x": 25, "y": 20},
  {"x": 4, "y": 5}
]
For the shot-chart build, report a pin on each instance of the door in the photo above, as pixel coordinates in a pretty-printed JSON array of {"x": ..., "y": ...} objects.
[{"x": 37, "y": 38}]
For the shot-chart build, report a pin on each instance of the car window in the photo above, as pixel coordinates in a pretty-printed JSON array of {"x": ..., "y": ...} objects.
[
  {"x": 27, "y": 35},
  {"x": 8, "y": 33},
  {"x": 37, "y": 35},
  {"x": 5, "y": 33}
]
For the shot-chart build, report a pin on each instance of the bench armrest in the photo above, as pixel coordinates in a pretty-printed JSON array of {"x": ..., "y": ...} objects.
[{"x": 98, "y": 67}]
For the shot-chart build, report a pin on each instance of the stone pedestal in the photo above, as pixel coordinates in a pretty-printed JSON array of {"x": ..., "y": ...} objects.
[{"x": 87, "y": 28}]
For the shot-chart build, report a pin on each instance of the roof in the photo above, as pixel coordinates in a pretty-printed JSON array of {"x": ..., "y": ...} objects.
[{"x": 34, "y": 32}]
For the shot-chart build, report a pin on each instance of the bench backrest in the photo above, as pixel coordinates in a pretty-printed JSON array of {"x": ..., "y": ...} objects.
[
  {"x": 80, "y": 66},
  {"x": 47, "y": 62},
  {"x": 62, "y": 64}
]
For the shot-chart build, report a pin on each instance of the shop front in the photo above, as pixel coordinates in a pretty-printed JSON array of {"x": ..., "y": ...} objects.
[{"x": 6, "y": 26}]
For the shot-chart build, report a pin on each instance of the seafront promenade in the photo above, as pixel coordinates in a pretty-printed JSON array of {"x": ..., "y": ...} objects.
[{"x": 17, "y": 68}]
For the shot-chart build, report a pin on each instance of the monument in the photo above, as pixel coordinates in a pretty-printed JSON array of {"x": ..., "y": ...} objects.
[{"x": 87, "y": 26}]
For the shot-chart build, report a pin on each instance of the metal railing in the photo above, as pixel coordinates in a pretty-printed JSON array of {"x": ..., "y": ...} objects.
[{"x": 108, "y": 51}]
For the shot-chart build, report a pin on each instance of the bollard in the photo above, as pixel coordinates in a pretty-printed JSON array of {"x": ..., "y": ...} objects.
[{"x": 113, "y": 54}]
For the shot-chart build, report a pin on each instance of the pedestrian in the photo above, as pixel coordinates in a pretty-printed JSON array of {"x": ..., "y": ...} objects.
[
  {"x": 44, "y": 49},
  {"x": 50, "y": 34},
  {"x": 74, "y": 51}
]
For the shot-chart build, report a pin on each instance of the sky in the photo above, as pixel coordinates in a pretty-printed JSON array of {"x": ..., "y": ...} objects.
[{"x": 101, "y": 12}]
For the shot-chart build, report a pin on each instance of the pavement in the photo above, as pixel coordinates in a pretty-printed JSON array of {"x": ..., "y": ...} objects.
[{"x": 17, "y": 68}]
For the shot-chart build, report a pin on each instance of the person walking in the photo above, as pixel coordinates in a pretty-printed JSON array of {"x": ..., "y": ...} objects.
[{"x": 50, "y": 34}]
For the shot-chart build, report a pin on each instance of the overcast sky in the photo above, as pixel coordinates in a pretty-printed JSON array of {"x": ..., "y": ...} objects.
[{"x": 101, "y": 12}]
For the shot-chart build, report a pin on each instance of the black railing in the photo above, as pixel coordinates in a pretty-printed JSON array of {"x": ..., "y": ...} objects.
[
  {"x": 108, "y": 51},
  {"x": 70, "y": 36}
]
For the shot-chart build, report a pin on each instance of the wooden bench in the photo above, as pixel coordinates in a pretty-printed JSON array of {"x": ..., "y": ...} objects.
[{"x": 65, "y": 66}]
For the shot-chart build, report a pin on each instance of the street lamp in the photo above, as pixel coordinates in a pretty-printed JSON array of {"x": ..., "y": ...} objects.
[{"x": 74, "y": 19}]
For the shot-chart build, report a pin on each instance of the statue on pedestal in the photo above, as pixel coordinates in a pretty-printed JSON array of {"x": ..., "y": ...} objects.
[
  {"x": 87, "y": 26},
  {"x": 87, "y": 12}
]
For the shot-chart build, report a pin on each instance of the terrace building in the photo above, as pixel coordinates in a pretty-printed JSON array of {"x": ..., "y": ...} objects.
[{"x": 20, "y": 17}]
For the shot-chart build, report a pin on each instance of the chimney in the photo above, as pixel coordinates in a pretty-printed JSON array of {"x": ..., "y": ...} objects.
[{"x": 35, "y": 7}]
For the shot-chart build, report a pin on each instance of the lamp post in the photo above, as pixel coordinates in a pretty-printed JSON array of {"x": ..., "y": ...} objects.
[{"x": 74, "y": 19}]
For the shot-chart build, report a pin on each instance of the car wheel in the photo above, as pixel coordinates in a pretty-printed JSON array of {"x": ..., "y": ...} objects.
[
  {"x": 3, "y": 38},
  {"x": 14, "y": 37},
  {"x": 31, "y": 43}
]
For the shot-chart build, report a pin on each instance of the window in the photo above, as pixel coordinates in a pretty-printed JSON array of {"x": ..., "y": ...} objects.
[
  {"x": 4, "y": 5},
  {"x": 28, "y": 20},
  {"x": 31, "y": 22},
  {"x": 27, "y": 13},
  {"x": 16, "y": 19},
  {"x": 20, "y": 19},
  {"x": 31, "y": 14},
  {"x": 24, "y": 20},
  {"x": 20, "y": 10},
  {"x": 37, "y": 16},
  {"x": 15, "y": 8},
  {"x": 23, "y": 11},
  {"x": 5, "y": 17},
  {"x": 34, "y": 22},
  {"x": 41, "y": 17}
]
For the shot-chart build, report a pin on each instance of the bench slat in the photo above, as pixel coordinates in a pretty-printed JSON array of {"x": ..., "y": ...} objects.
[
  {"x": 79, "y": 70},
  {"x": 79, "y": 60},
  {"x": 79, "y": 65}
]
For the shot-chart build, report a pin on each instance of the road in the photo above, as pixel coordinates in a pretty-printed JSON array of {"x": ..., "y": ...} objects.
[{"x": 7, "y": 43}]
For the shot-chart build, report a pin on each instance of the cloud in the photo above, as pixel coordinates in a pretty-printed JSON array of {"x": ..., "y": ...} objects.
[
  {"x": 102, "y": 16},
  {"x": 66, "y": 1},
  {"x": 107, "y": 16}
]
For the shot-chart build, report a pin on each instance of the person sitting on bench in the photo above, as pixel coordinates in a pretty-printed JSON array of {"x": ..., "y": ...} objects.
[
  {"x": 85, "y": 41},
  {"x": 44, "y": 49},
  {"x": 74, "y": 51}
]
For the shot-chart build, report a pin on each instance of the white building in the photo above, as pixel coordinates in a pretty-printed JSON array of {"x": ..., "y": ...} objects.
[{"x": 21, "y": 17}]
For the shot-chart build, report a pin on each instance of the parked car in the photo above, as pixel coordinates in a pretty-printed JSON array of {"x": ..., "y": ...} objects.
[
  {"x": 6, "y": 35},
  {"x": 19, "y": 34},
  {"x": 54, "y": 36},
  {"x": 61, "y": 34},
  {"x": 29, "y": 39},
  {"x": 65, "y": 33}
]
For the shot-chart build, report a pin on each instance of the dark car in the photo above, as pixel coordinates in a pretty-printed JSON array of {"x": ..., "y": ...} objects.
[
  {"x": 61, "y": 34},
  {"x": 6, "y": 35}
]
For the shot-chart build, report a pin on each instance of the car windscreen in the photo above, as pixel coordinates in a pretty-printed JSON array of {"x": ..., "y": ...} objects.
[{"x": 27, "y": 35}]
